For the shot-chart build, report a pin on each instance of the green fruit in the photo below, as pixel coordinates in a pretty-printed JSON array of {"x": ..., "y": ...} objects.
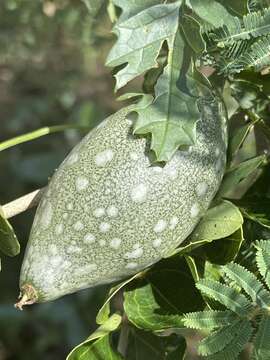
[{"x": 109, "y": 212}]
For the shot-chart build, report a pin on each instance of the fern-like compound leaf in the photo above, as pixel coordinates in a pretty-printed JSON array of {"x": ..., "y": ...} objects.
[
  {"x": 208, "y": 319},
  {"x": 219, "y": 339},
  {"x": 261, "y": 349},
  {"x": 249, "y": 283},
  {"x": 263, "y": 260},
  {"x": 228, "y": 61},
  {"x": 252, "y": 25},
  {"x": 227, "y": 296},
  {"x": 256, "y": 5},
  {"x": 233, "y": 349},
  {"x": 258, "y": 57},
  {"x": 263, "y": 245}
]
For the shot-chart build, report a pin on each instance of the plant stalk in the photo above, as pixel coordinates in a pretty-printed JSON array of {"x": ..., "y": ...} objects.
[{"x": 23, "y": 203}]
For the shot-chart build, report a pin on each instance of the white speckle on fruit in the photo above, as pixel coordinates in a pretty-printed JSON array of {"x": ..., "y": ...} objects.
[
  {"x": 136, "y": 253},
  {"x": 217, "y": 152},
  {"x": 102, "y": 242},
  {"x": 172, "y": 173},
  {"x": 201, "y": 189},
  {"x": 86, "y": 270},
  {"x": 104, "y": 157},
  {"x": 53, "y": 250},
  {"x": 115, "y": 243},
  {"x": 70, "y": 206},
  {"x": 157, "y": 243},
  {"x": 72, "y": 159},
  {"x": 160, "y": 226},
  {"x": 157, "y": 169},
  {"x": 49, "y": 278},
  {"x": 104, "y": 227},
  {"x": 112, "y": 211},
  {"x": 73, "y": 249},
  {"x": 129, "y": 122},
  {"x": 47, "y": 215},
  {"x": 134, "y": 156},
  {"x": 195, "y": 210},
  {"x": 99, "y": 212},
  {"x": 89, "y": 238},
  {"x": 59, "y": 229},
  {"x": 131, "y": 265},
  {"x": 65, "y": 216},
  {"x": 81, "y": 183},
  {"x": 56, "y": 260},
  {"x": 173, "y": 222},
  {"x": 78, "y": 226},
  {"x": 139, "y": 193}
]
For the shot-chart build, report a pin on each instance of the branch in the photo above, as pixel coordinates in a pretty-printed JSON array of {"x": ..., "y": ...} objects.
[{"x": 23, "y": 203}]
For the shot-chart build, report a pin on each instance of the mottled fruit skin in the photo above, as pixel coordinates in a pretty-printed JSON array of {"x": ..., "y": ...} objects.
[{"x": 108, "y": 212}]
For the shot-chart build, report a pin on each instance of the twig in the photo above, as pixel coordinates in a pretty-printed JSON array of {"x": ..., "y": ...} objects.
[
  {"x": 123, "y": 337},
  {"x": 23, "y": 203}
]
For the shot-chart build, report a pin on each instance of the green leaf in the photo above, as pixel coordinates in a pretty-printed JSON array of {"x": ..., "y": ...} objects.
[
  {"x": 257, "y": 210},
  {"x": 219, "y": 222},
  {"x": 133, "y": 7},
  {"x": 143, "y": 345},
  {"x": 97, "y": 350},
  {"x": 140, "y": 39},
  {"x": 233, "y": 349},
  {"x": 211, "y": 12},
  {"x": 104, "y": 311},
  {"x": 246, "y": 93},
  {"x": 158, "y": 302},
  {"x": 238, "y": 138},
  {"x": 97, "y": 345},
  {"x": 263, "y": 260},
  {"x": 249, "y": 283},
  {"x": 263, "y": 245},
  {"x": 207, "y": 320},
  {"x": 258, "y": 57},
  {"x": 238, "y": 173},
  {"x": 261, "y": 350},
  {"x": 192, "y": 30},
  {"x": 9, "y": 244},
  {"x": 172, "y": 117},
  {"x": 237, "y": 7},
  {"x": 217, "y": 340},
  {"x": 255, "y": 5},
  {"x": 225, "y": 295},
  {"x": 224, "y": 250},
  {"x": 251, "y": 26}
]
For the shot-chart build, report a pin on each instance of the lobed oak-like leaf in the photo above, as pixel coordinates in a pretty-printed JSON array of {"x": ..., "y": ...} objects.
[{"x": 140, "y": 38}]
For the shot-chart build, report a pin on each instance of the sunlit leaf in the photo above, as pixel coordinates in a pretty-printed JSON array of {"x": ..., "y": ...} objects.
[
  {"x": 140, "y": 39},
  {"x": 238, "y": 173},
  {"x": 172, "y": 117}
]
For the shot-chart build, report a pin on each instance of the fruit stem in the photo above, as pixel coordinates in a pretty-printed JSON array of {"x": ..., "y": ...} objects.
[{"x": 28, "y": 296}]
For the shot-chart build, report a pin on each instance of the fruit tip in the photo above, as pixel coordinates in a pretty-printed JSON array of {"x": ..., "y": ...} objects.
[{"x": 28, "y": 296}]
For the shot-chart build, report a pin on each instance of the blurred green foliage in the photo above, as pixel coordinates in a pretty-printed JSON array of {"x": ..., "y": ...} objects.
[{"x": 51, "y": 72}]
